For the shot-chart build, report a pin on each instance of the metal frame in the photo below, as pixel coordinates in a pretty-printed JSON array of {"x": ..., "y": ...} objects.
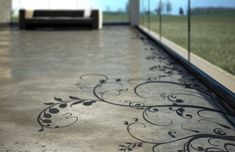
[{"x": 189, "y": 30}]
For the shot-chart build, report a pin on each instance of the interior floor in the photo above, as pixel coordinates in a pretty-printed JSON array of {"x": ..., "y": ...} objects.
[{"x": 103, "y": 91}]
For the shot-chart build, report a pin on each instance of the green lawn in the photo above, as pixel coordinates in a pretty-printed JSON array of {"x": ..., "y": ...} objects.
[
  {"x": 213, "y": 37},
  {"x": 115, "y": 17}
]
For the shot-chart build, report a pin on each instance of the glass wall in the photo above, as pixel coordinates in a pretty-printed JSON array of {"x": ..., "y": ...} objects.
[
  {"x": 174, "y": 21},
  {"x": 113, "y": 11},
  {"x": 207, "y": 30},
  {"x": 213, "y": 32},
  {"x": 144, "y": 7},
  {"x": 154, "y": 16}
]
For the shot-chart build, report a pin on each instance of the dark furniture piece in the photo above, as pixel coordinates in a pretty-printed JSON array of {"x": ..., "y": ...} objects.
[{"x": 59, "y": 19}]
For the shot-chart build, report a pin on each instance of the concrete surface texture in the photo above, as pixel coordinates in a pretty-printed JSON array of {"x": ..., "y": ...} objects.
[
  {"x": 5, "y": 11},
  {"x": 103, "y": 91}
]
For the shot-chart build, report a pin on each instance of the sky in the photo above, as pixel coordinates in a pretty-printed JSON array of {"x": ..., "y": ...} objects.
[
  {"x": 114, "y": 5},
  {"x": 176, "y": 4}
]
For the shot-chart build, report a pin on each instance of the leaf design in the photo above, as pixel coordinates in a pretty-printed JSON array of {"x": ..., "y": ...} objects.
[
  {"x": 179, "y": 100},
  {"x": 54, "y": 110},
  {"x": 58, "y": 99},
  {"x": 118, "y": 80},
  {"x": 89, "y": 103},
  {"x": 102, "y": 81},
  {"x": 63, "y": 105},
  {"x": 49, "y": 103},
  {"x": 139, "y": 144},
  {"x": 78, "y": 102},
  {"x": 129, "y": 146},
  {"x": 74, "y": 98},
  {"x": 126, "y": 123},
  {"x": 46, "y": 115},
  {"x": 172, "y": 133},
  {"x": 225, "y": 126},
  {"x": 47, "y": 121}
]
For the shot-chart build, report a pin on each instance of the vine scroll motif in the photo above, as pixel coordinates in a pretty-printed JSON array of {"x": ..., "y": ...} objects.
[{"x": 172, "y": 109}]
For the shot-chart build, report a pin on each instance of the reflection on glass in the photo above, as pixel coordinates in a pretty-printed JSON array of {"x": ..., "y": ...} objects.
[
  {"x": 174, "y": 21},
  {"x": 144, "y": 13},
  {"x": 212, "y": 27},
  {"x": 154, "y": 15},
  {"x": 116, "y": 11},
  {"x": 213, "y": 32},
  {"x": 141, "y": 12}
]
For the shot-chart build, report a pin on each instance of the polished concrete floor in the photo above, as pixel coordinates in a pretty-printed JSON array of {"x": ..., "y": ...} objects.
[{"x": 103, "y": 91}]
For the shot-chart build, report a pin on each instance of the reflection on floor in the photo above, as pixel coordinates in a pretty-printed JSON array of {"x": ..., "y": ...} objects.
[{"x": 108, "y": 90}]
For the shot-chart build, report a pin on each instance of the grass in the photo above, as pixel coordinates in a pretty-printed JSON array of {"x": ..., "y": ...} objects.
[
  {"x": 213, "y": 37},
  {"x": 115, "y": 17}
]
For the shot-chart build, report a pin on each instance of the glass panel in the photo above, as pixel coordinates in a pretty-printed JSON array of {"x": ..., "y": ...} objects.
[
  {"x": 175, "y": 22},
  {"x": 15, "y": 10},
  {"x": 114, "y": 10},
  {"x": 213, "y": 32},
  {"x": 154, "y": 16},
  {"x": 141, "y": 12},
  {"x": 144, "y": 12}
]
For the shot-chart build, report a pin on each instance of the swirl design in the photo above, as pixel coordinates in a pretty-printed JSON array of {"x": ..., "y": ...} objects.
[
  {"x": 56, "y": 115},
  {"x": 172, "y": 107},
  {"x": 180, "y": 115}
]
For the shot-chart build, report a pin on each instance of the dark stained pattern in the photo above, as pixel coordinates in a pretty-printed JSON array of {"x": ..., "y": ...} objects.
[{"x": 181, "y": 116}]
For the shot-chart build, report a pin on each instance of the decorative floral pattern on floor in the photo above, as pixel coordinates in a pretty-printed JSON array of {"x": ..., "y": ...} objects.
[{"x": 173, "y": 113}]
